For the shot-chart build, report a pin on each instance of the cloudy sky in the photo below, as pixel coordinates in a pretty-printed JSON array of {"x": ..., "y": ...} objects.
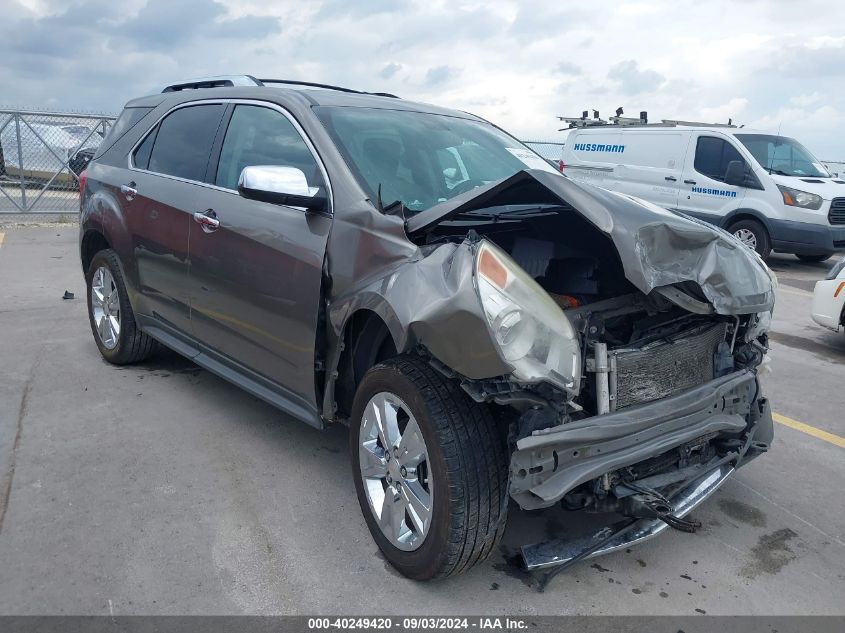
[{"x": 770, "y": 64}]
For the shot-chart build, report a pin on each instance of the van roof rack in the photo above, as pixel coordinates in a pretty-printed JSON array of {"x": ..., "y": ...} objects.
[
  {"x": 224, "y": 81},
  {"x": 596, "y": 121}
]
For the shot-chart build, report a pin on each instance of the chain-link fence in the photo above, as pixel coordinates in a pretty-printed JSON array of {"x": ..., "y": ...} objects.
[
  {"x": 550, "y": 150},
  {"x": 41, "y": 157}
]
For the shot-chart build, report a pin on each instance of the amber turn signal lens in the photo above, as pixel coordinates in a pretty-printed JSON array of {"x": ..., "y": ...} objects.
[
  {"x": 492, "y": 269},
  {"x": 787, "y": 198}
]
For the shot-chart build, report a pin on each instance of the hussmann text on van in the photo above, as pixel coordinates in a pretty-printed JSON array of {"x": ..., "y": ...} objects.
[
  {"x": 598, "y": 147},
  {"x": 715, "y": 192}
]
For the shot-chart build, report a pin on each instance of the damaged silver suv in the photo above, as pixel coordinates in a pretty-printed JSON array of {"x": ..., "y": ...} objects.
[{"x": 489, "y": 330}]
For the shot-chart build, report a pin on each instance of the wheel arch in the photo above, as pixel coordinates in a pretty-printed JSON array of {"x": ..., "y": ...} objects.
[
  {"x": 92, "y": 242},
  {"x": 367, "y": 340},
  {"x": 746, "y": 214}
]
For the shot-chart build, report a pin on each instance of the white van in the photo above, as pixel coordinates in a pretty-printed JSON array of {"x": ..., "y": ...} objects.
[{"x": 767, "y": 190}]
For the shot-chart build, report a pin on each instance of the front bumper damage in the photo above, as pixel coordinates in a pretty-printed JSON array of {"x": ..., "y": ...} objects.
[
  {"x": 550, "y": 463},
  {"x": 624, "y": 533}
]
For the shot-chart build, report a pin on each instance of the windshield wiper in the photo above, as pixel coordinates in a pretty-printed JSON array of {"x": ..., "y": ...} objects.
[
  {"x": 506, "y": 214},
  {"x": 397, "y": 207},
  {"x": 772, "y": 170}
]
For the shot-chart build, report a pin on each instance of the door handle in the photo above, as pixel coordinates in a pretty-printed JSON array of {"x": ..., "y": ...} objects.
[
  {"x": 671, "y": 178},
  {"x": 207, "y": 220},
  {"x": 129, "y": 190},
  {"x": 689, "y": 182}
]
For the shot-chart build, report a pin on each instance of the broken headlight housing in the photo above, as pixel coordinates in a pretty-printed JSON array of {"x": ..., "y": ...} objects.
[{"x": 530, "y": 331}]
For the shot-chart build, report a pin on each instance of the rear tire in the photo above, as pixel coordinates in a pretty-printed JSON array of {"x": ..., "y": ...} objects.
[
  {"x": 110, "y": 313},
  {"x": 754, "y": 235},
  {"x": 466, "y": 469},
  {"x": 814, "y": 259}
]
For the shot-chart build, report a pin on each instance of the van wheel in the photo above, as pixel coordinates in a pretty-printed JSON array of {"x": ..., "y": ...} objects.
[
  {"x": 814, "y": 259},
  {"x": 112, "y": 321},
  {"x": 753, "y": 235},
  {"x": 430, "y": 469}
]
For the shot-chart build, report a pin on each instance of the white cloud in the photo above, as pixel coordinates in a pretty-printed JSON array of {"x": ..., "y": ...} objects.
[{"x": 517, "y": 63}]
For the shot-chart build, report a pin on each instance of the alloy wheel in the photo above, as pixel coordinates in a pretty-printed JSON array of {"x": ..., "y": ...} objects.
[
  {"x": 105, "y": 307},
  {"x": 395, "y": 470}
]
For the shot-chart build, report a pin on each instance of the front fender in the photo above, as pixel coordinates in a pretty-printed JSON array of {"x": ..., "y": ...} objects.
[{"x": 430, "y": 301}]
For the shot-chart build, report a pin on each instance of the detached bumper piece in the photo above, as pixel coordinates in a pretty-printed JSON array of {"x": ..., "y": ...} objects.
[{"x": 623, "y": 534}]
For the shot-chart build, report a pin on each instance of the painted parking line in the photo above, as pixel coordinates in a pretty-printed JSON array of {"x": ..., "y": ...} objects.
[
  {"x": 2, "y": 237},
  {"x": 837, "y": 440}
]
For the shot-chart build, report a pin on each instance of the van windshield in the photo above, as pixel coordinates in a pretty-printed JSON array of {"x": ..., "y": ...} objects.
[
  {"x": 782, "y": 155},
  {"x": 421, "y": 159}
]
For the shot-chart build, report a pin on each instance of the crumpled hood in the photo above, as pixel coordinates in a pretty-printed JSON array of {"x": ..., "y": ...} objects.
[{"x": 657, "y": 248}]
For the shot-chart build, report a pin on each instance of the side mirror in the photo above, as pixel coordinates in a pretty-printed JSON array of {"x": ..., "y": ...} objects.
[
  {"x": 735, "y": 173},
  {"x": 280, "y": 185}
]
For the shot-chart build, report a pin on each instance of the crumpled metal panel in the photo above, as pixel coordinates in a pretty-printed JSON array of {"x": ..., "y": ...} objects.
[
  {"x": 657, "y": 247},
  {"x": 432, "y": 301}
]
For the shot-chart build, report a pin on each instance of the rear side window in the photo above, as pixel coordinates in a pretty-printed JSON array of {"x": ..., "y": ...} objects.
[
  {"x": 183, "y": 141},
  {"x": 261, "y": 136},
  {"x": 712, "y": 156}
]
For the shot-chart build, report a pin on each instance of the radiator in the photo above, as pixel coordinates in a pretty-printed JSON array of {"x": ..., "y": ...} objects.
[{"x": 666, "y": 367}]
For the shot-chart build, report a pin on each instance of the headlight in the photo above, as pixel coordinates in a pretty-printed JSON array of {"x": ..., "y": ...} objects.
[
  {"x": 803, "y": 199},
  {"x": 531, "y": 332},
  {"x": 837, "y": 268}
]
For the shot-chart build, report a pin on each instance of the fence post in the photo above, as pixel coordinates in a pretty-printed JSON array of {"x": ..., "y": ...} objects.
[{"x": 20, "y": 161}]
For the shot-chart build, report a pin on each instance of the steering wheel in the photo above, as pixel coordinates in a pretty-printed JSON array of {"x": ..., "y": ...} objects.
[{"x": 466, "y": 185}]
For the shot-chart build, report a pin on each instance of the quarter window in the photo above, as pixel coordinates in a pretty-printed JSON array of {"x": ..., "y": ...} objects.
[
  {"x": 712, "y": 156},
  {"x": 262, "y": 136},
  {"x": 141, "y": 157},
  {"x": 125, "y": 122},
  {"x": 183, "y": 142}
]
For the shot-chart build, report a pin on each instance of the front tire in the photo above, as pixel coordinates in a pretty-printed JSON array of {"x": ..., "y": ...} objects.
[
  {"x": 754, "y": 235},
  {"x": 430, "y": 469},
  {"x": 112, "y": 321}
]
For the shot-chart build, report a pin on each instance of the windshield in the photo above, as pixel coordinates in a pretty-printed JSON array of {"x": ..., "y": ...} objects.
[
  {"x": 421, "y": 159},
  {"x": 783, "y": 155}
]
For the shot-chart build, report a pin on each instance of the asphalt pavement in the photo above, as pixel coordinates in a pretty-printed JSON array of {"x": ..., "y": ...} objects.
[{"x": 162, "y": 489}]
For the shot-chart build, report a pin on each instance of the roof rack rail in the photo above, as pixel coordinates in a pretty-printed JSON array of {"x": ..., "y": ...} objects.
[
  {"x": 619, "y": 121},
  {"x": 311, "y": 84},
  {"x": 698, "y": 123},
  {"x": 227, "y": 81},
  {"x": 220, "y": 81}
]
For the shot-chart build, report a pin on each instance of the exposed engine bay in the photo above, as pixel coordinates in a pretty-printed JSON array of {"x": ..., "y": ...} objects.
[{"x": 667, "y": 392}]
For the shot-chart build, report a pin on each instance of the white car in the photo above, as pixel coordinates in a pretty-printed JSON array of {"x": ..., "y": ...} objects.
[
  {"x": 44, "y": 149},
  {"x": 766, "y": 189},
  {"x": 829, "y": 298}
]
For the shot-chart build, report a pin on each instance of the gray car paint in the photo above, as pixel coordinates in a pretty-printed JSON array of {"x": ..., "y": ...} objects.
[
  {"x": 361, "y": 245},
  {"x": 657, "y": 248},
  {"x": 424, "y": 295}
]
